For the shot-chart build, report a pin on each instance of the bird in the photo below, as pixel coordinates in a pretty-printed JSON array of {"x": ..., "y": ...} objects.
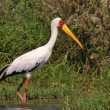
[{"x": 33, "y": 60}]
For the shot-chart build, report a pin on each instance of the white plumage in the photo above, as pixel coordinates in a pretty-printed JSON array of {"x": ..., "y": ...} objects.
[
  {"x": 29, "y": 60},
  {"x": 35, "y": 59}
]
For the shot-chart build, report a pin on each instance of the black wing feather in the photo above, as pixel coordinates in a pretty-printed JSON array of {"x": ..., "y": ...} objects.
[{"x": 3, "y": 71}]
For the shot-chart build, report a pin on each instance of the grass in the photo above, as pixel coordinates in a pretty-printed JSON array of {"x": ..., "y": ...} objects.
[
  {"x": 71, "y": 79},
  {"x": 64, "y": 88}
]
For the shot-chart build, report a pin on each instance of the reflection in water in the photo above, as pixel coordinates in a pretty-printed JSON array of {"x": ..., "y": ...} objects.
[
  {"x": 15, "y": 109},
  {"x": 31, "y": 107}
]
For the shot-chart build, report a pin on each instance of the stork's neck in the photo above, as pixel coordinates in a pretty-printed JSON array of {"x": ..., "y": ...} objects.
[{"x": 54, "y": 33}]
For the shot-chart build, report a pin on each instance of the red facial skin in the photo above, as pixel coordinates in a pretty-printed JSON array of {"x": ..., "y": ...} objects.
[{"x": 61, "y": 23}]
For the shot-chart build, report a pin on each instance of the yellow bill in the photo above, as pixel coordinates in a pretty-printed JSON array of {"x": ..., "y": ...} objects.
[{"x": 66, "y": 29}]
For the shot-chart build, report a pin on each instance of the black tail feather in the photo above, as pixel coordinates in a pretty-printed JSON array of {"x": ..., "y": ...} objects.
[{"x": 3, "y": 72}]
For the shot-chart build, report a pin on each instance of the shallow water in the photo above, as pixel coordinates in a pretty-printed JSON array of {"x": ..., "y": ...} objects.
[{"x": 28, "y": 107}]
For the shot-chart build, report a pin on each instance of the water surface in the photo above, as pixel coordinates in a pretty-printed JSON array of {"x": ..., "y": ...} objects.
[{"x": 28, "y": 107}]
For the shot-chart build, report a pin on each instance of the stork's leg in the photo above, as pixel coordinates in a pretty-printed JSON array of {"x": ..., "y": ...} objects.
[
  {"x": 26, "y": 89},
  {"x": 18, "y": 89}
]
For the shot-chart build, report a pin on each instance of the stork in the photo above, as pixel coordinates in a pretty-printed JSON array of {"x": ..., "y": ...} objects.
[{"x": 33, "y": 60}]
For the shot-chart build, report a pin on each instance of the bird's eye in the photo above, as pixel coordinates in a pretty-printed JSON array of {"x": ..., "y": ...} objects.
[{"x": 61, "y": 22}]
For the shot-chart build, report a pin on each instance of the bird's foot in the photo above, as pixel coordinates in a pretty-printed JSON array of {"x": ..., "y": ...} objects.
[
  {"x": 19, "y": 95},
  {"x": 24, "y": 97}
]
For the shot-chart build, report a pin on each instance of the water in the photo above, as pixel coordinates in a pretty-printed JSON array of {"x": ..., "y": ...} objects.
[{"x": 28, "y": 107}]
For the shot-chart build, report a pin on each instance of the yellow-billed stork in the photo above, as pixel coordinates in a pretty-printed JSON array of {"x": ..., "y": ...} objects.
[{"x": 35, "y": 59}]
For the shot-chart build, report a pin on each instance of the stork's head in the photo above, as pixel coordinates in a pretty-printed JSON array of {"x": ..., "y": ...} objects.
[{"x": 59, "y": 23}]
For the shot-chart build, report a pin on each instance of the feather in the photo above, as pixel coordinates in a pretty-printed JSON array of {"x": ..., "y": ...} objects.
[
  {"x": 29, "y": 62},
  {"x": 3, "y": 72}
]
